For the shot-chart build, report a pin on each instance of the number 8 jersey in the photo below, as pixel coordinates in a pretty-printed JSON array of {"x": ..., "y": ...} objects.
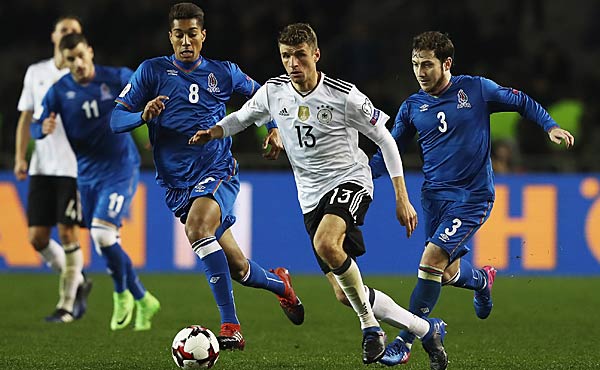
[{"x": 319, "y": 131}]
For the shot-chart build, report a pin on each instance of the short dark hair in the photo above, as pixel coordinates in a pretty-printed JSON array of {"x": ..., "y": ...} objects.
[
  {"x": 298, "y": 33},
  {"x": 438, "y": 42},
  {"x": 186, "y": 11},
  {"x": 71, "y": 40}
]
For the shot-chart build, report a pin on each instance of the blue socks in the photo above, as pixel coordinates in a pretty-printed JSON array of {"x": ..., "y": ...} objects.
[
  {"x": 469, "y": 278},
  {"x": 121, "y": 271},
  {"x": 217, "y": 274},
  {"x": 258, "y": 277}
]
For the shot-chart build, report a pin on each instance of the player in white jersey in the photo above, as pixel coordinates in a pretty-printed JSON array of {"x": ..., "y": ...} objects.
[
  {"x": 52, "y": 198},
  {"x": 319, "y": 119}
]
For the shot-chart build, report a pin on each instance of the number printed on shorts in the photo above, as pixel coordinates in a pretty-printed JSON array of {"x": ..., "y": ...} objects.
[
  {"x": 448, "y": 232},
  {"x": 116, "y": 202},
  {"x": 343, "y": 198}
]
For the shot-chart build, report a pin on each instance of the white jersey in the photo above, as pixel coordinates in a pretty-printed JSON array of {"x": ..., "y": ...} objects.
[
  {"x": 53, "y": 155},
  {"x": 320, "y": 132}
]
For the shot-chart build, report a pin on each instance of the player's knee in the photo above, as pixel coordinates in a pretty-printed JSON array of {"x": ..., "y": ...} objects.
[
  {"x": 104, "y": 236},
  {"x": 197, "y": 228},
  {"x": 67, "y": 234},
  {"x": 39, "y": 241},
  {"x": 325, "y": 247}
]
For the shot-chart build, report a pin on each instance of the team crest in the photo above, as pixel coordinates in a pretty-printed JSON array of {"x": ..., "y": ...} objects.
[
  {"x": 105, "y": 93},
  {"x": 303, "y": 113},
  {"x": 325, "y": 114},
  {"x": 463, "y": 100},
  {"x": 212, "y": 84}
]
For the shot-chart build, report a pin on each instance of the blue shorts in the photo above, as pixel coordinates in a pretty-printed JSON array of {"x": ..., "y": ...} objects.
[
  {"x": 450, "y": 224},
  {"x": 108, "y": 201},
  {"x": 223, "y": 188}
]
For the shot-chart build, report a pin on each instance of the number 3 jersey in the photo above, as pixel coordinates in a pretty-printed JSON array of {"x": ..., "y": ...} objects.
[
  {"x": 319, "y": 130},
  {"x": 454, "y": 135},
  {"x": 86, "y": 111}
]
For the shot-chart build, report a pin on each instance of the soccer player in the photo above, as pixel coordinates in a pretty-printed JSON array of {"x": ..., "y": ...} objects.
[
  {"x": 320, "y": 118},
  {"x": 178, "y": 95},
  {"x": 108, "y": 167},
  {"x": 52, "y": 198},
  {"x": 451, "y": 115}
]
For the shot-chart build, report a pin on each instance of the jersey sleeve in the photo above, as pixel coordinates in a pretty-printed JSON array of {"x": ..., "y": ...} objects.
[
  {"x": 50, "y": 104},
  {"x": 255, "y": 110},
  {"x": 245, "y": 85},
  {"x": 505, "y": 99},
  {"x": 137, "y": 92},
  {"x": 402, "y": 132},
  {"x": 26, "y": 99}
]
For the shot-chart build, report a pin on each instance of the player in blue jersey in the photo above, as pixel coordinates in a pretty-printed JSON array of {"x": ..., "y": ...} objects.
[
  {"x": 108, "y": 167},
  {"x": 451, "y": 115},
  {"x": 175, "y": 96}
]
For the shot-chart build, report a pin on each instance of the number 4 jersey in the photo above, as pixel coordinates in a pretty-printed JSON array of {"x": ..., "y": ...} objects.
[
  {"x": 319, "y": 131},
  {"x": 86, "y": 111}
]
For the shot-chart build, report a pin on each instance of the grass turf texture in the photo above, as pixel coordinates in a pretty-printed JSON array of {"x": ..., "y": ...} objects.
[{"x": 537, "y": 323}]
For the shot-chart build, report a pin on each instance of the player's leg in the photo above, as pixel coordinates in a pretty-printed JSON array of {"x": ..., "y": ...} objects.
[
  {"x": 249, "y": 273},
  {"x": 110, "y": 204},
  {"x": 202, "y": 224},
  {"x": 41, "y": 217},
  {"x": 461, "y": 272},
  {"x": 75, "y": 286}
]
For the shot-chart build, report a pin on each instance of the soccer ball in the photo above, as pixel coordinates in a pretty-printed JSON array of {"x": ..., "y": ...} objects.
[{"x": 195, "y": 347}]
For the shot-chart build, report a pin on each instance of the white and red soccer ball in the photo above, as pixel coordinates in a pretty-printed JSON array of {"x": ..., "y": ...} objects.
[{"x": 195, "y": 347}]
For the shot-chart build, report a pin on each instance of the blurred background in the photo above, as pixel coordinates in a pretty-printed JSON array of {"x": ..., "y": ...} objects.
[{"x": 547, "y": 49}]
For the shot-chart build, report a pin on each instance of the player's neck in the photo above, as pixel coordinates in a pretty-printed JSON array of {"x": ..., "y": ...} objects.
[
  {"x": 87, "y": 79},
  {"x": 309, "y": 84},
  {"x": 58, "y": 60},
  {"x": 444, "y": 85}
]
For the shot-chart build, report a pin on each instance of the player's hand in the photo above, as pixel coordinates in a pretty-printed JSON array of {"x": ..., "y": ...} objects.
[
  {"x": 20, "y": 169},
  {"x": 558, "y": 135},
  {"x": 49, "y": 124},
  {"x": 154, "y": 107},
  {"x": 274, "y": 140},
  {"x": 406, "y": 214},
  {"x": 204, "y": 136}
]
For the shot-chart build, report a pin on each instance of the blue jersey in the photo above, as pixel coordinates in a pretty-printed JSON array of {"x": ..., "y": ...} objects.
[
  {"x": 454, "y": 135},
  {"x": 197, "y": 95},
  {"x": 85, "y": 111}
]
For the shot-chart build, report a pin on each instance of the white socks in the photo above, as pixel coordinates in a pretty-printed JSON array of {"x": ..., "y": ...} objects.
[
  {"x": 351, "y": 283},
  {"x": 54, "y": 256},
  {"x": 71, "y": 277},
  {"x": 388, "y": 311}
]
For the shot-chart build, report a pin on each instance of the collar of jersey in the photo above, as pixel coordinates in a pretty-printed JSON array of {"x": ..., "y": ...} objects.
[
  {"x": 305, "y": 94},
  {"x": 186, "y": 67}
]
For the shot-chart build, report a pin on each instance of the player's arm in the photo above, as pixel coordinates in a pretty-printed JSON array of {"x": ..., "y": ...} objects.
[
  {"x": 21, "y": 142},
  {"x": 46, "y": 123},
  {"x": 247, "y": 86},
  {"x": 370, "y": 121},
  {"x": 503, "y": 99},
  {"x": 254, "y": 111},
  {"x": 402, "y": 133},
  {"x": 123, "y": 120}
]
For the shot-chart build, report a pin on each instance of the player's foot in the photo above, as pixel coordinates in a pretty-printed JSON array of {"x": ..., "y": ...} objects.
[
  {"x": 373, "y": 344},
  {"x": 396, "y": 353},
  {"x": 289, "y": 302},
  {"x": 230, "y": 337},
  {"x": 60, "y": 316},
  {"x": 122, "y": 310},
  {"x": 483, "y": 298},
  {"x": 433, "y": 343},
  {"x": 146, "y": 308},
  {"x": 83, "y": 291}
]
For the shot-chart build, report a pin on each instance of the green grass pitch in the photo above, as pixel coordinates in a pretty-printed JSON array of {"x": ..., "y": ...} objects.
[{"x": 537, "y": 323}]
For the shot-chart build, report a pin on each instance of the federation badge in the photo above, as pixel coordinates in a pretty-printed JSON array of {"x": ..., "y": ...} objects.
[
  {"x": 303, "y": 113},
  {"x": 325, "y": 114},
  {"x": 463, "y": 100}
]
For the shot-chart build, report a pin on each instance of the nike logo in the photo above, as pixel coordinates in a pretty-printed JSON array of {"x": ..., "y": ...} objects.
[{"x": 123, "y": 320}]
